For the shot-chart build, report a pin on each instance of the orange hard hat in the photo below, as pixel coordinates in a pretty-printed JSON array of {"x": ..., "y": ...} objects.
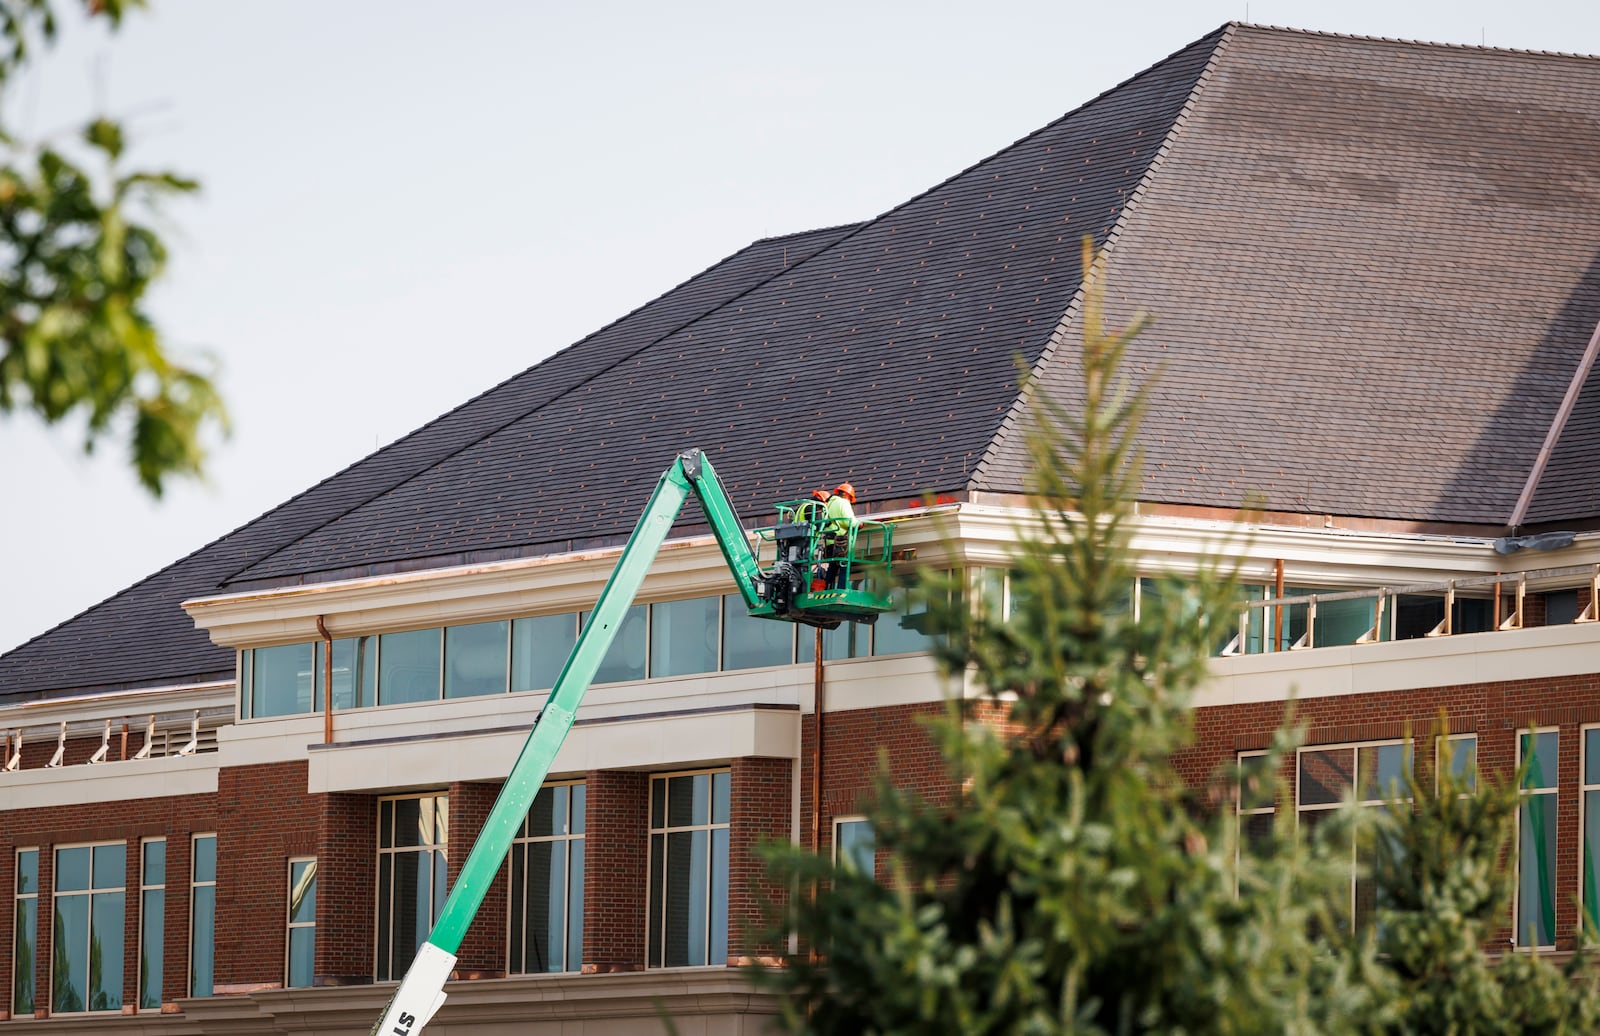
[
  {"x": 820, "y": 494},
  {"x": 846, "y": 490}
]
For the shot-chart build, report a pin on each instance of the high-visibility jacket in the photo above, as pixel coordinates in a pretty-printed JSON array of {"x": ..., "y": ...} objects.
[{"x": 840, "y": 514}]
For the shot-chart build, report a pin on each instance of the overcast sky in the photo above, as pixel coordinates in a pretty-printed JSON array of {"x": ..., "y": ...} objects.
[{"x": 406, "y": 203}]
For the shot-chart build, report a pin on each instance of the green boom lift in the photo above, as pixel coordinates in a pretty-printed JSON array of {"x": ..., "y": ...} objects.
[{"x": 803, "y": 569}]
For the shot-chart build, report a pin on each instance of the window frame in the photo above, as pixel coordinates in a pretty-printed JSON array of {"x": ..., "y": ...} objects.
[
  {"x": 145, "y": 889},
  {"x": 291, "y": 925},
  {"x": 577, "y": 832},
  {"x": 90, "y": 893},
  {"x": 652, "y": 894},
  {"x": 839, "y": 823},
  {"x": 1554, "y": 789},
  {"x": 1239, "y": 809},
  {"x": 194, "y": 886},
  {"x": 17, "y": 899},
  {"x": 441, "y": 846},
  {"x": 1408, "y": 764},
  {"x": 1588, "y": 909}
]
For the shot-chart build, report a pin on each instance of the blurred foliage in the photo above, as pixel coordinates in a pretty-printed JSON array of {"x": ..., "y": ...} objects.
[
  {"x": 77, "y": 257},
  {"x": 1075, "y": 883}
]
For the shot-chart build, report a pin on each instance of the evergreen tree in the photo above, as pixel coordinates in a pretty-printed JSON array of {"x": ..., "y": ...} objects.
[{"x": 1075, "y": 884}]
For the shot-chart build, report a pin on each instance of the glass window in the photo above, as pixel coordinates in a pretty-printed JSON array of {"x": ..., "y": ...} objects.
[
  {"x": 24, "y": 957},
  {"x": 547, "y": 883},
  {"x": 625, "y": 658},
  {"x": 1370, "y": 773},
  {"x": 203, "y": 915},
  {"x": 1536, "y": 839},
  {"x": 847, "y": 640},
  {"x": 280, "y": 680},
  {"x": 683, "y": 636},
  {"x": 355, "y": 673},
  {"x": 1256, "y": 803},
  {"x": 475, "y": 659},
  {"x": 854, "y": 844},
  {"x": 301, "y": 951},
  {"x": 86, "y": 966},
  {"x": 152, "y": 920},
  {"x": 413, "y": 832},
  {"x": 749, "y": 643},
  {"x": 903, "y": 630},
  {"x": 1591, "y": 827},
  {"x": 539, "y": 648},
  {"x": 1458, "y": 756},
  {"x": 408, "y": 666},
  {"x": 688, "y": 869}
]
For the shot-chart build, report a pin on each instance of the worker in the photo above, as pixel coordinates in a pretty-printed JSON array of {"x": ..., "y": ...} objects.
[{"x": 839, "y": 529}]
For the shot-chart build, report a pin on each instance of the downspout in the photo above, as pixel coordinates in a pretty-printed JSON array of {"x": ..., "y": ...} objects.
[
  {"x": 1277, "y": 612},
  {"x": 818, "y": 703},
  {"x": 327, "y": 681}
]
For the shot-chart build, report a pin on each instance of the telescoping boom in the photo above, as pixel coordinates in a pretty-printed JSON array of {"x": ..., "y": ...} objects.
[{"x": 818, "y": 574}]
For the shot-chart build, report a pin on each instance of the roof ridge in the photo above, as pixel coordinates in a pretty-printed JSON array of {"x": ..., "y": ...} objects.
[
  {"x": 1367, "y": 38},
  {"x": 771, "y": 238},
  {"x": 281, "y": 547},
  {"x": 1024, "y": 398},
  {"x": 1558, "y": 424}
]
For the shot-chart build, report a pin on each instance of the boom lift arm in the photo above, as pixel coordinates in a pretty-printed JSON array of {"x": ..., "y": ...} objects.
[{"x": 786, "y": 590}]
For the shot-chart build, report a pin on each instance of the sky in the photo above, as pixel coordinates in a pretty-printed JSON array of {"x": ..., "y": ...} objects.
[{"x": 405, "y": 203}]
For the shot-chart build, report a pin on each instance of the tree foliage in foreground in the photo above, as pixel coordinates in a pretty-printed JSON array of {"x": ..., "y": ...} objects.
[
  {"x": 76, "y": 261},
  {"x": 1075, "y": 885}
]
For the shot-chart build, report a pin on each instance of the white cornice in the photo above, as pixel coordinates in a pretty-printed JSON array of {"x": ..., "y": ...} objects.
[{"x": 965, "y": 533}]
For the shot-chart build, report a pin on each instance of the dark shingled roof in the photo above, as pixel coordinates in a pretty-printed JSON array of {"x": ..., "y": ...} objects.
[
  {"x": 1374, "y": 270},
  {"x": 1375, "y": 266},
  {"x": 141, "y": 636}
]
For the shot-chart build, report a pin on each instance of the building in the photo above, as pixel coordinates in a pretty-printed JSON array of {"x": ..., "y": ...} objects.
[{"x": 1375, "y": 271}]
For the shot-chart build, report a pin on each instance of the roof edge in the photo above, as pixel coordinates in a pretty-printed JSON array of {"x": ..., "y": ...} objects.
[{"x": 1011, "y": 423}]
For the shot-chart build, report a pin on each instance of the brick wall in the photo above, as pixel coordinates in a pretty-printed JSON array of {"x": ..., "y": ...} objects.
[
  {"x": 347, "y": 837},
  {"x": 854, "y": 742},
  {"x": 616, "y": 852},
  {"x": 174, "y": 818},
  {"x": 265, "y": 816},
  {"x": 483, "y": 951},
  {"x": 760, "y": 805},
  {"x": 1496, "y": 712}
]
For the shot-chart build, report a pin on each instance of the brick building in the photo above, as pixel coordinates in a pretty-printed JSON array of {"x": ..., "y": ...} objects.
[{"x": 1374, "y": 268}]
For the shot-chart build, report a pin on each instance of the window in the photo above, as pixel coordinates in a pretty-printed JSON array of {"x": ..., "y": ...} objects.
[
  {"x": 1536, "y": 840},
  {"x": 1373, "y": 773},
  {"x": 750, "y": 643},
  {"x": 1591, "y": 826},
  {"x": 684, "y": 636},
  {"x": 408, "y": 666},
  {"x": 86, "y": 971},
  {"x": 475, "y": 659},
  {"x": 355, "y": 673},
  {"x": 203, "y": 915},
  {"x": 854, "y": 845},
  {"x": 27, "y": 931},
  {"x": 539, "y": 648},
  {"x": 547, "y": 883},
  {"x": 688, "y": 869},
  {"x": 412, "y": 834},
  {"x": 280, "y": 680},
  {"x": 1256, "y": 803},
  {"x": 626, "y": 657},
  {"x": 1458, "y": 756},
  {"x": 301, "y": 949},
  {"x": 152, "y": 920},
  {"x": 847, "y": 640},
  {"x": 903, "y": 630}
]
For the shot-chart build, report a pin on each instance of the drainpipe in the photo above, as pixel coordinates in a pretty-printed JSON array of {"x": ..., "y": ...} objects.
[
  {"x": 1277, "y": 613},
  {"x": 817, "y": 705},
  {"x": 327, "y": 681}
]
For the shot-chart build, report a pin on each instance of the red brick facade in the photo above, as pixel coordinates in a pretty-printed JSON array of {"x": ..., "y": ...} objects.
[
  {"x": 1495, "y": 712},
  {"x": 616, "y": 856},
  {"x": 176, "y": 819},
  {"x": 761, "y": 808}
]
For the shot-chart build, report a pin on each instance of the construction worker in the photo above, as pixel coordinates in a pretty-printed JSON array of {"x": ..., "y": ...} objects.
[{"x": 839, "y": 528}]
